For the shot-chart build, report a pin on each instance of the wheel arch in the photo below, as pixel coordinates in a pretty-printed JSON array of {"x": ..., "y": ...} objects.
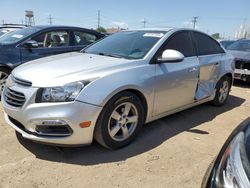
[
  {"x": 229, "y": 75},
  {"x": 136, "y": 92},
  {"x": 6, "y": 67}
]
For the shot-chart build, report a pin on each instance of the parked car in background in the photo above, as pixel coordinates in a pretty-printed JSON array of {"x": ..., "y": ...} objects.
[
  {"x": 226, "y": 43},
  {"x": 109, "y": 90},
  {"x": 241, "y": 52},
  {"x": 7, "y": 28},
  {"x": 231, "y": 168},
  {"x": 39, "y": 41}
]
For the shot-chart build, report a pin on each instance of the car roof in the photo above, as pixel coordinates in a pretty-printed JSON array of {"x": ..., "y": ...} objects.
[
  {"x": 166, "y": 29},
  {"x": 58, "y": 27},
  {"x": 152, "y": 29},
  {"x": 244, "y": 39}
]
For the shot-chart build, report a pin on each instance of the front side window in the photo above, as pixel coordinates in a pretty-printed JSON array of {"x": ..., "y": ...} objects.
[
  {"x": 241, "y": 45},
  {"x": 206, "y": 45},
  {"x": 18, "y": 35},
  {"x": 181, "y": 42},
  {"x": 83, "y": 38},
  {"x": 127, "y": 44},
  {"x": 52, "y": 39}
]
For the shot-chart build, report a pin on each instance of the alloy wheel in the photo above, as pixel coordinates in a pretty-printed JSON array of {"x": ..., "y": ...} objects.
[
  {"x": 123, "y": 121},
  {"x": 223, "y": 91}
]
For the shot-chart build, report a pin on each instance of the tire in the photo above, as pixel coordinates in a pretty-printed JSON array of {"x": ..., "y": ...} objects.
[
  {"x": 117, "y": 127},
  {"x": 222, "y": 91},
  {"x": 4, "y": 74}
]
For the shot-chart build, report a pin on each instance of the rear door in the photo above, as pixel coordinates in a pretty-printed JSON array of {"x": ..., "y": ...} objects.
[
  {"x": 49, "y": 43},
  {"x": 210, "y": 56},
  {"x": 176, "y": 82},
  {"x": 82, "y": 38}
]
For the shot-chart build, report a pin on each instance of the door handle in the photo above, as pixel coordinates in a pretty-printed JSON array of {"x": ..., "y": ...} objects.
[{"x": 194, "y": 69}]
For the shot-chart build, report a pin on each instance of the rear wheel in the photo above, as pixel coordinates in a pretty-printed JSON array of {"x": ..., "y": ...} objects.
[
  {"x": 120, "y": 121},
  {"x": 222, "y": 91},
  {"x": 4, "y": 74}
]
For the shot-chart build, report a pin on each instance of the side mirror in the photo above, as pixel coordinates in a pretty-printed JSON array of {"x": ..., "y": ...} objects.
[
  {"x": 30, "y": 44},
  {"x": 170, "y": 56}
]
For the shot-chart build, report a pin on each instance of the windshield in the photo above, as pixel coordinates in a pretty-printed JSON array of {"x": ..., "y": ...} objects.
[
  {"x": 225, "y": 44},
  {"x": 16, "y": 36},
  {"x": 241, "y": 45},
  {"x": 3, "y": 31},
  {"x": 128, "y": 44}
]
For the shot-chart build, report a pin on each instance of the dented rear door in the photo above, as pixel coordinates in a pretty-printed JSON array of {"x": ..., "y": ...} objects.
[
  {"x": 210, "y": 60},
  {"x": 209, "y": 74}
]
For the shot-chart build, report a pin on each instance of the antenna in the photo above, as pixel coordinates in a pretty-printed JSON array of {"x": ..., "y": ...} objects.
[
  {"x": 50, "y": 19},
  {"x": 144, "y": 22},
  {"x": 194, "y": 21},
  {"x": 99, "y": 18}
]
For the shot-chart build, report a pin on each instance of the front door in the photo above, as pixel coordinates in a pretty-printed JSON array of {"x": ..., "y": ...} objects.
[
  {"x": 176, "y": 82},
  {"x": 49, "y": 43}
]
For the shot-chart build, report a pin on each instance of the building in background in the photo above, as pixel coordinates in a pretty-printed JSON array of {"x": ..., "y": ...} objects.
[
  {"x": 112, "y": 30},
  {"x": 243, "y": 32}
]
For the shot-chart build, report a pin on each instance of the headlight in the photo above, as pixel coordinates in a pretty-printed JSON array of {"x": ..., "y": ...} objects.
[
  {"x": 60, "y": 94},
  {"x": 233, "y": 166}
]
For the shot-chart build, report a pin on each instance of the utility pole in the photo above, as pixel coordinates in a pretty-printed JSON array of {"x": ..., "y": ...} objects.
[
  {"x": 99, "y": 18},
  {"x": 144, "y": 22},
  {"x": 50, "y": 19},
  {"x": 2, "y": 22},
  {"x": 194, "y": 21}
]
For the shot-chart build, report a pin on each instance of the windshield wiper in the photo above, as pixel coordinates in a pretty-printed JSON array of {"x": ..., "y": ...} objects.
[{"x": 111, "y": 55}]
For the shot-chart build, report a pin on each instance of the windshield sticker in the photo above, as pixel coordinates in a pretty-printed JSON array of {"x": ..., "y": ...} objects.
[
  {"x": 17, "y": 36},
  {"x": 157, "y": 35}
]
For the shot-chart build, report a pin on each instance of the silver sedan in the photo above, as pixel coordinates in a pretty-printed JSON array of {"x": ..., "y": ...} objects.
[{"x": 110, "y": 89}]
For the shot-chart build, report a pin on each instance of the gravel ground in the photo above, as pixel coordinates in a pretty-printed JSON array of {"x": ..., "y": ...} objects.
[{"x": 172, "y": 152}]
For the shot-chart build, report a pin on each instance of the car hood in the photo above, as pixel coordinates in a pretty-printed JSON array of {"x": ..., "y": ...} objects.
[
  {"x": 240, "y": 55},
  {"x": 66, "y": 68}
]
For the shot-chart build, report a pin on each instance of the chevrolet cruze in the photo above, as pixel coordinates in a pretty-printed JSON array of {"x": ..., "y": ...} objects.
[{"x": 110, "y": 89}]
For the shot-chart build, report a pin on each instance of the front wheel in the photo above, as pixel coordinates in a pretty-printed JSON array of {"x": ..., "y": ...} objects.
[
  {"x": 120, "y": 121},
  {"x": 222, "y": 91}
]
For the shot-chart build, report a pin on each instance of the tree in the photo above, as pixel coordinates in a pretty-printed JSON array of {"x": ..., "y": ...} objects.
[
  {"x": 101, "y": 29},
  {"x": 216, "y": 35}
]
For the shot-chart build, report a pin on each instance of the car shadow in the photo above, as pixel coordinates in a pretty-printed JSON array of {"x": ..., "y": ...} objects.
[
  {"x": 242, "y": 84},
  {"x": 151, "y": 136}
]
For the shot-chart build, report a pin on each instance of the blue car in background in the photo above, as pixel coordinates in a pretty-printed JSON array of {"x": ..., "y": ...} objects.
[{"x": 36, "y": 42}]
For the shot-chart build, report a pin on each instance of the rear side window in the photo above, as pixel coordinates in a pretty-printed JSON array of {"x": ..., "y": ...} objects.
[
  {"x": 181, "y": 42},
  {"x": 83, "y": 38},
  {"x": 206, "y": 45}
]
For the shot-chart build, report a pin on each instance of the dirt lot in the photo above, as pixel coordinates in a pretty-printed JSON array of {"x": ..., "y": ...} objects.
[{"x": 172, "y": 152}]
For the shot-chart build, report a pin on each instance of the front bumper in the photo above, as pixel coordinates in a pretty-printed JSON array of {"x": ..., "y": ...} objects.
[{"x": 73, "y": 113}]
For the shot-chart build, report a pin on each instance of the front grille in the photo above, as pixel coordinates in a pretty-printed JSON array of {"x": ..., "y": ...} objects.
[
  {"x": 242, "y": 65},
  {"x": 14, "y": 98},
  {"x": 22, "y": 82}
]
